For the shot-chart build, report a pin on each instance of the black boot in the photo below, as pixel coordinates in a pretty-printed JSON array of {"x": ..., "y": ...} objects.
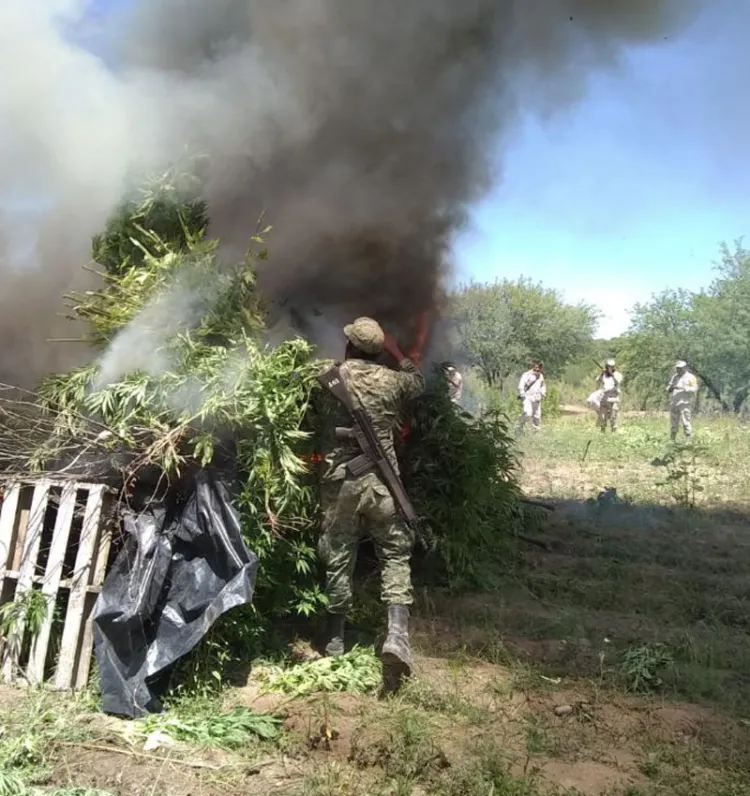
[
  {"x": 335, "y": 645},
  {"x": 396, "y": 650}
]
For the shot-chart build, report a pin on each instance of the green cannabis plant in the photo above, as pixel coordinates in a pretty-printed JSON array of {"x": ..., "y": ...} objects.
[
  {"x": 207, "y": 385},
  {"x": 182, "y": 380},
  {"x": 461, "y": 473}
]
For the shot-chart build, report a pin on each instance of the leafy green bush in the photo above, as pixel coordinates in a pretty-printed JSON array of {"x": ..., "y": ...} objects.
[
  {"x": 461, "y": 475},
  {"x": 643, "y": 666},
  {"x": 210, "y": 391},
  {"x": 218, "y": 392},
  {"x": 551, "y": 406}
]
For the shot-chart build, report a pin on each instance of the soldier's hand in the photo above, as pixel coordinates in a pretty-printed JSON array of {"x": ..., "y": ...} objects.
[{"x": 390, "y": 344}]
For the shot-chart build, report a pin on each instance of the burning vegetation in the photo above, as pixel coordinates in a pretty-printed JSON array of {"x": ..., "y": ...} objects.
[{"x": 214, "y": 395}]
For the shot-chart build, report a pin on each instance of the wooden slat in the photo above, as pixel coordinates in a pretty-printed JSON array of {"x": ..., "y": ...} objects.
[
  {"x": 80, "y": 582},
  {"x": 19, "y": 555},
  {"x": 52, "y": 579},
  {"x": 104, "y": 540},
  {"x": 39, "y": 581},
  {"x": 29, "y": 556},
  {"x": 55, "y": 481},
  {"x": 7, "y": 522},
  {"x": 104, "y": 544},
  {"x": 22, "y": 527}
]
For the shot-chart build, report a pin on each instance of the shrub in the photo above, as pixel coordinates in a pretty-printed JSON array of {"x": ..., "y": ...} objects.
[{"x": 208, "y": 390}]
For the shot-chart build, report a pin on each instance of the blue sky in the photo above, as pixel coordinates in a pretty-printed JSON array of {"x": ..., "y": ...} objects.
[{"x": 632, "y": 189}]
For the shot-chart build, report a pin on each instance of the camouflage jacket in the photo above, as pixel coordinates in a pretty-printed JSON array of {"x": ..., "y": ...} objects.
[{"x": 382, "y": 392}]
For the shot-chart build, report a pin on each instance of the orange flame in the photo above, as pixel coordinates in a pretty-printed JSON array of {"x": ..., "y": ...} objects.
[{"x": 423, "y": 332}]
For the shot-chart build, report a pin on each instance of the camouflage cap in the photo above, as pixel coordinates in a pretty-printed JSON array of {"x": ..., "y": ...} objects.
[
  {"x": 610, "y": 363},
  {"x": 366, "y": 335},
  {"x": 680, "y": 363}
]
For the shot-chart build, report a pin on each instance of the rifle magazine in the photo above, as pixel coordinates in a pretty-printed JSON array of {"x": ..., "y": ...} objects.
[{"x": 360, "y": 465}]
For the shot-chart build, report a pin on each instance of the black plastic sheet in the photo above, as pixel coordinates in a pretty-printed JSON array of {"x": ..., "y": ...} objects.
[{"x": 183, "y": 565}]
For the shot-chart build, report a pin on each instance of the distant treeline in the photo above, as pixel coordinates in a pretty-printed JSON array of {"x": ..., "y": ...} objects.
[{"x": 500, "y": 326}]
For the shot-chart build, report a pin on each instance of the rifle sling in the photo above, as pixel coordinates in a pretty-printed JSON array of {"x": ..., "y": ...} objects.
[{"x": 529, "y": 386}]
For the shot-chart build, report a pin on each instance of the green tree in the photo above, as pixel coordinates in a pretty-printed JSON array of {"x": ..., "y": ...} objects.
[
  {"x": 723, "y": 328},
  {"x": 710, "y": 329},
  {"x": 660, "y": 332},
  {"x": 502, "y": 326}
]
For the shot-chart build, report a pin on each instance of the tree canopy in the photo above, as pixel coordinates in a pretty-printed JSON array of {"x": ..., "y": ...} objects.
[{"x": 503, "y": 325}]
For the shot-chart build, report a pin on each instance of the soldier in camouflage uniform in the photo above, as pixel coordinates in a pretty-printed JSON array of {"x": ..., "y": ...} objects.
[{"x": 355, "y": 507}]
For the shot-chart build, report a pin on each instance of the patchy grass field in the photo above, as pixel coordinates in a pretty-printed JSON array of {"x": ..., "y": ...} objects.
[
  {"x": 572, "y": 459},
  {"x": 613, "y": 659}
]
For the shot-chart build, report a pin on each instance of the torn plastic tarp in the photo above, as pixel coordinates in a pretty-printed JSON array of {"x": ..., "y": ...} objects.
[{"x": 183, "y": 565}]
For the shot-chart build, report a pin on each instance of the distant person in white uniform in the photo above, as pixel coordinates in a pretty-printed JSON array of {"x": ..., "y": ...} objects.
[
  {"x": 531, "y": 392},
  {"x": 682, "y": 389},
  {"x": 609, "y": 381},
  {"x": 455, "y": 382}
]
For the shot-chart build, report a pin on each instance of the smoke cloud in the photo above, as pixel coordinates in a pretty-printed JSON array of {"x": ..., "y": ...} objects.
[{"x": 363, "y": 130}]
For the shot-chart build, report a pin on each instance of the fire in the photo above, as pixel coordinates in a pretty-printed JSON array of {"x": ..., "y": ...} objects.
[{"x": 423, "y": 325}]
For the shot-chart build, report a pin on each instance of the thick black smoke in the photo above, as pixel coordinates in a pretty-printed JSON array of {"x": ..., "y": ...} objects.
[{"x": 363, "y": 130}]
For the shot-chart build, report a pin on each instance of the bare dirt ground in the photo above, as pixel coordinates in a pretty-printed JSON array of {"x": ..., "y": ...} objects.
[{"x": 613, "y": 660}]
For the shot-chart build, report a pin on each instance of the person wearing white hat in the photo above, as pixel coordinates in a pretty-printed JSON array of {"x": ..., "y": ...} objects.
[
  {"x": 609, "y": 382},
  {"x": 682, "y": 389}
]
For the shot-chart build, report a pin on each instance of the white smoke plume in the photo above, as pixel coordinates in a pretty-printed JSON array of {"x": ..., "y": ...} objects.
[{"x": 364, "y": 130}]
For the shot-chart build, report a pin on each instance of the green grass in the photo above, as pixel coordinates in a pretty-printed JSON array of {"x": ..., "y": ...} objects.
[
  {"x": 637, "y": 617},
  {"x": 643, "y": 595},
  {"x": 572, "y": 459}
]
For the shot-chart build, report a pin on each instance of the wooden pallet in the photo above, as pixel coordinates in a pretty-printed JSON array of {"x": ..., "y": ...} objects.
[{"x": 55, "y": 539}]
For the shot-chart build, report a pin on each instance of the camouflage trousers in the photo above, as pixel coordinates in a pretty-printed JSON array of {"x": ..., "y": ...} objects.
[
  {"x": 352, "y": 510},
  {"x": 609, "y": 412},
  {"x": 681, "y": 415}
]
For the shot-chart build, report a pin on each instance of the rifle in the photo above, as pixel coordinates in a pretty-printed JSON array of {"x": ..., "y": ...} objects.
[
  {"x": 602, "y": 369},
  {"x": 373, "y": 457}
]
